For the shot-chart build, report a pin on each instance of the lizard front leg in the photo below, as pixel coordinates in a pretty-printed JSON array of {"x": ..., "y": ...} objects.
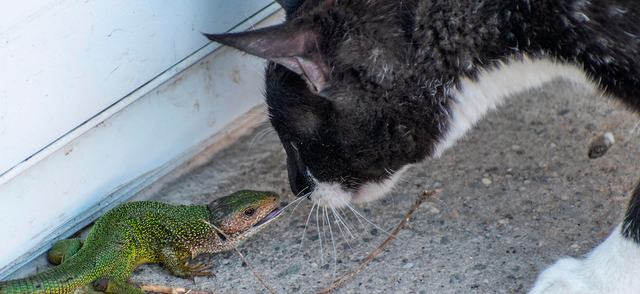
[
  {"x": 63, "y": 250},
  {"x": 184, "y": 270}
]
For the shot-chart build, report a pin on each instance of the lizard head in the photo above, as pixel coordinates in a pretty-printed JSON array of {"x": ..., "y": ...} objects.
[{"x": 244, "y": 213}]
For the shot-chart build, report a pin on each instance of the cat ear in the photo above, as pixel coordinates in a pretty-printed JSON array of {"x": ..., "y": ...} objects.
[
  {"x": 295, "y": 49},
  {"x": 290, "y": 6}
]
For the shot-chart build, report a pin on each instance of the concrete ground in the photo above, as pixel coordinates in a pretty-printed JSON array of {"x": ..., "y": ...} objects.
[{"x": 518, "y": 192}]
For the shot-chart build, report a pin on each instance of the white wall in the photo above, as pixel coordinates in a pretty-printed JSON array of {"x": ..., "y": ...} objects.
[
  {"x": 65, "y": 61},
  {"x": 102, "y": 98}
]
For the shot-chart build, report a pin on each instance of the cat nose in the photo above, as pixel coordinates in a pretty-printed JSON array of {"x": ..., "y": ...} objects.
[
  {"x": 299, "y": 181},
  {"x": 300, "y": 184}
]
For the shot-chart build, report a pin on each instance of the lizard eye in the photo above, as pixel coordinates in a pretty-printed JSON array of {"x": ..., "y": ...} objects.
[{"x": 249, "y": 211}]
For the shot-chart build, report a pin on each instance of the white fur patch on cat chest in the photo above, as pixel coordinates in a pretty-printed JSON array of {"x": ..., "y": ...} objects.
[{"x": 473, "y": 98}]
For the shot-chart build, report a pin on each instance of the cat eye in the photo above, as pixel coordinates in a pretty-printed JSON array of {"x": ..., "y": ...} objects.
[{"x": 249, "y": 211}]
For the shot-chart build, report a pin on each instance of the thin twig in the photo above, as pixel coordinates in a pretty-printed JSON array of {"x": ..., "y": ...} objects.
[
  {"x": 171, "y": 290},
  {"x": 241, "y": 256},
  {"x": 384, "y": 244}
]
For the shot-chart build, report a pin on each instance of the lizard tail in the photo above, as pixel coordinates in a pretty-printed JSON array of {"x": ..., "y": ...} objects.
[{"x": 57, "y": 280}]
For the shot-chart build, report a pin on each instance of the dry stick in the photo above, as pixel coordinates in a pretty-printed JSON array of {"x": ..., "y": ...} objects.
[
  {"x": 241, "y": 256},
  {"x": 171, "y": 290},
  {"x": 415, "y": 207}
]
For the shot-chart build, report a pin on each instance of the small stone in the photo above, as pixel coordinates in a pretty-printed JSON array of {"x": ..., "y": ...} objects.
[
  {"x": 575, "y": 246},
  {"x": 600, "y": 145},
  {"x": 437, "y": 185},
  {"x": 522, "y": 188},
  {"x": 313, "y": 264},
  {"x": 486, "y": 181},
  {"x": 527, "y": 182},
  {"x": 479, "y": 266},
  {"x": 504, "y": 221},
  {"x": 444, "y": 240},
  {"x": 408, "y": 265},
  {"x": 226, "y": 261},
  {"x": 293, "y": 269},
  {"x": 475, "y": 185},
  {"x": 564, "y": 197},
  {"x": 455, "y": 278},
  {"x": 432, "y": 208},
  {"x": 294, "y": 288},
  {"x": 477, "y": 239},
  {"x": 454, "y": 214},
  {"x": 552, "y": 145},
  {"x": 515, "y": 147}
]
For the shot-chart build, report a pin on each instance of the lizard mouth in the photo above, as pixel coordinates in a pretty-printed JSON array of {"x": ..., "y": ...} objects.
[{"x": 267, "y": 219}]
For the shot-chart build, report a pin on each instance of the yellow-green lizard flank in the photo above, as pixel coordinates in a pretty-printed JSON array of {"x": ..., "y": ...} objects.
[{"x": 149, "y": 232}]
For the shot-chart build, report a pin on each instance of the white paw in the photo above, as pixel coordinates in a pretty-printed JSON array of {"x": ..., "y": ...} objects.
[
  {"x": 563, "y": 277},
  {"x": 612, "y": 267}
]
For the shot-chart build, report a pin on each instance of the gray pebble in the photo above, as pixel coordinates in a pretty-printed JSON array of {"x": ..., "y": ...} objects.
[{"x": 408, "y": 265}]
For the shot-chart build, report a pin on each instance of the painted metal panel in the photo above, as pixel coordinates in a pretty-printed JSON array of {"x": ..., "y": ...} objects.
[{"x": 64, "y": 61}]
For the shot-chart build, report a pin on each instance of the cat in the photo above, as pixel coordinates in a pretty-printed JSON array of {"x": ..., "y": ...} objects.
[{"x": 360, "y": 90}]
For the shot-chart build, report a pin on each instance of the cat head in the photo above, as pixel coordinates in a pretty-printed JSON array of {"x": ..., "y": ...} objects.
[{"x": 347, "y": 108}]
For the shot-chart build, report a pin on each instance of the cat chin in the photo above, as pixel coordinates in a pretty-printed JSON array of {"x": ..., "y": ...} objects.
[{"x": 332, "y": 194}]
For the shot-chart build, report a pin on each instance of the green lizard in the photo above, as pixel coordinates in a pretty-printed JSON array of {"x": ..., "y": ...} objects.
[{"x": 149, "y": 232}]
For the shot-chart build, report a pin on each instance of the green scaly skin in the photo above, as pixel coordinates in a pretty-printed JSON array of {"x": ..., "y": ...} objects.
[{"x": 149, "y": 232}]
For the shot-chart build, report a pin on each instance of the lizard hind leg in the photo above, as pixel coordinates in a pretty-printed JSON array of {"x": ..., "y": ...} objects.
[
  {"x": 109, "y": 285},
  {"x": 184, "y": 270},
  {"x": 63, "y": 250}
]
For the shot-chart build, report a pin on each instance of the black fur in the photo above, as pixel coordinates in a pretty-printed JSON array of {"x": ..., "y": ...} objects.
[
  {"x": 386, "y": 111},
  {"x": 631, "y": 222},
  {"x": 358, "y": 89}
]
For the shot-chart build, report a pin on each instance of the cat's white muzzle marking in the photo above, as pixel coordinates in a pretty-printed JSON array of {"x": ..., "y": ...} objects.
[{"x": 331, "y": 194}]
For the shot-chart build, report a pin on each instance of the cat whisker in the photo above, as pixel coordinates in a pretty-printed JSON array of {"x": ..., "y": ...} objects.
[
  {"x": 258, "y": 136},
  {"x": 402, "y": 177},
  {"x": 299, "y": 200},
  {"x": 305, "y": 226},
  {"x": 345, "y": 217},
  {"x": 634, "y": 128},
  {"x": 363, "y": 217},
  {"x": 248, "y": 18},
  {"x": 250, "y": 66},
  {"x": 333, "y": 243},
  {"x": 340, "y": 221},
  {"x": 357, "y": 218},
  {"x": 265, "y": 134},
  {"x": 319, "y": 235}
]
